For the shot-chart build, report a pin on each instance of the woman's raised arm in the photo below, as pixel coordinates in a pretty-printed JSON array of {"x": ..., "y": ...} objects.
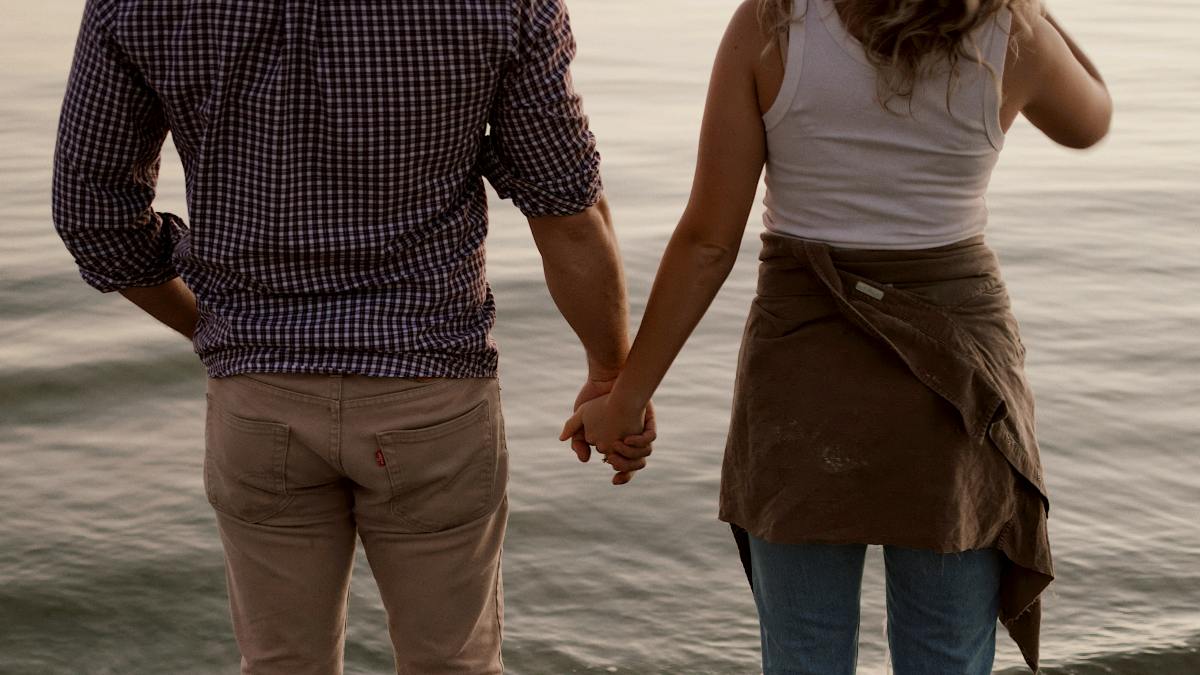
[{"x": 1058, "y": 88}]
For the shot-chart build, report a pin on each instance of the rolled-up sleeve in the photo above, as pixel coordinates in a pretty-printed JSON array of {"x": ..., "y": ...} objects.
[
  {"x": 106, "y": 163},
  {"x": 539, "y": 151}
]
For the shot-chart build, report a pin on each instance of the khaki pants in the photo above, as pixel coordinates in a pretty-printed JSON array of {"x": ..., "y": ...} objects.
[{"x": 297, "y": 465}]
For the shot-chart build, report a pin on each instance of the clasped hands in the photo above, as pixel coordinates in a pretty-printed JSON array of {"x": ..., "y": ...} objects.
[{"x": 623, "y": 434}]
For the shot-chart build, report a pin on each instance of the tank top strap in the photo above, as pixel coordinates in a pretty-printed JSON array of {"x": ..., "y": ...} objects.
[
  {"x": 994, "y": 49},
  {"x": 793, "y": 66}
]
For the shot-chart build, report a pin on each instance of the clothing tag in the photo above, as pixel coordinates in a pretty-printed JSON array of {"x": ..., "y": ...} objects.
[
  {"x": 867, "y": 289},
  {"x": 379, "y": 458}
]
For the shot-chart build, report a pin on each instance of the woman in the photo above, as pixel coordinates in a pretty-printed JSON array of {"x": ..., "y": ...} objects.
[{"x": 880, "y": 397}]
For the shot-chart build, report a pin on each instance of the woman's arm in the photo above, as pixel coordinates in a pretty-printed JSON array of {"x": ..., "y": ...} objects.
[
  {"x": 1058, "y": 88},
  {"x": 705, "y": 244},
  {"x": 1076, "y": 50}
]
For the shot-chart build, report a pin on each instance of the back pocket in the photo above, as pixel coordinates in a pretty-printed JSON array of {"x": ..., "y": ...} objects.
[
  {"x": 244, "y": 465},
  {"x": 444, "y": 475}
]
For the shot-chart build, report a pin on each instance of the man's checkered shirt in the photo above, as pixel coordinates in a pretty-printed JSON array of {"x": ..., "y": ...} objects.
[{"x": 334, "y": 155}]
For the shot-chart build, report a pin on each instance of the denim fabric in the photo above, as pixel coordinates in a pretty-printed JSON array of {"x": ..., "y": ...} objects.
[{"x": 942, "y": 608}]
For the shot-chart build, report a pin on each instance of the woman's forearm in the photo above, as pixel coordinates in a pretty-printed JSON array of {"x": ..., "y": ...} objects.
[
  {"x": 704, "y": 247},
  {"x": 691, "y": 274}
]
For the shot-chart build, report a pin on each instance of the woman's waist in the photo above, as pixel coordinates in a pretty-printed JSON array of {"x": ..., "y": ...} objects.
[
  {"x": 787, "y": 265},
  {"x": 849, "y": 221}
]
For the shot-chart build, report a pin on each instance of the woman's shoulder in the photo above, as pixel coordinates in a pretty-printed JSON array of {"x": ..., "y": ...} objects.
[
  {"x": 1055, "y": 85},
  {"x": 1031, "y": 41},
  {"x": 748, "y": 29},
  {"x": 1036, "y": 47},
  {"x": 1030, "y": 48},
  {"x": 757, "y": 47}
]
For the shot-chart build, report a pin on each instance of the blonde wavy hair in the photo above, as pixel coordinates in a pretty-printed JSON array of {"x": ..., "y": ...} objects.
[{"x": 906, "y": 39}]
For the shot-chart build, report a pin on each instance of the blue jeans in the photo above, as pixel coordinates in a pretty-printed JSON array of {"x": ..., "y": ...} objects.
[{"x": 942, "y": 609}]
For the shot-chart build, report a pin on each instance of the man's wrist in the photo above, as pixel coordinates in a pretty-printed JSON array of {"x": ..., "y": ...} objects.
[{"x": 603, "y": 372}]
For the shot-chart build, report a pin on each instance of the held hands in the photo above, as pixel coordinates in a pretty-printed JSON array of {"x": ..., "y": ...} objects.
[{"x": 624, "y": 436}]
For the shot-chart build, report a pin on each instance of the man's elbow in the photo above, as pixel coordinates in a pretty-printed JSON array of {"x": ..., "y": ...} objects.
[{"x": 590, "y": 229}]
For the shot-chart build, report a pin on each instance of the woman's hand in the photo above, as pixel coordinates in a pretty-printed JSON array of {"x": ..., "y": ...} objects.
[{"x": 622, "y": 434}]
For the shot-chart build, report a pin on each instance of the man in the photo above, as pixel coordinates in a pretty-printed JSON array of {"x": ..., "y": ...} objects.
[{"x": 332, "y": 282}]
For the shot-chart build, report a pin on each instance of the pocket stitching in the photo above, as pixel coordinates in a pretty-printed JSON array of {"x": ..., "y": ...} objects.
[
  {"x": 394, "y": 438},
  {"x": 281, "y": 443}
]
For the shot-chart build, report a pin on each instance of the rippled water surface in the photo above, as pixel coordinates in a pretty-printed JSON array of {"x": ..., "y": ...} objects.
[{"x": 109, "y": 560}]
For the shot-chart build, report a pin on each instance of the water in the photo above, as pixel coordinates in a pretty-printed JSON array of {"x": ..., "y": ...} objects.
[{"x": 109, "y": 560}]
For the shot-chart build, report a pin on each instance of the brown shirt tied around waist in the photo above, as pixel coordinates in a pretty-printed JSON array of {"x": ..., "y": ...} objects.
[{"x": 881, "y": 399}]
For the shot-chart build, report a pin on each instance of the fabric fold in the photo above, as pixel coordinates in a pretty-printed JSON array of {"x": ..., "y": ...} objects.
[{"x": 881, "y": 399}]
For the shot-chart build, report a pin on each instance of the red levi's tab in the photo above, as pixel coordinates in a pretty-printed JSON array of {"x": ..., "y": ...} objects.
[{"x": 379, "y": 458}]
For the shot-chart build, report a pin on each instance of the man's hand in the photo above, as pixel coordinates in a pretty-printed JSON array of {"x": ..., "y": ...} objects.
[
  {"x": 595, "y": 387},
  {"x": 624, "y": 437},
  {"x": 171, "y": 303}
]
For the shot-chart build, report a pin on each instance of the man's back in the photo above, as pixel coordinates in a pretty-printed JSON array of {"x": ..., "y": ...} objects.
[
  {"x": 333, "y": 283},
  {"x": 333, "y": 154}
]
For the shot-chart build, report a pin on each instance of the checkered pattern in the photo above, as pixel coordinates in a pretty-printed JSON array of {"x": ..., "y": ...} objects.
[{"x": 335, "y": 155}]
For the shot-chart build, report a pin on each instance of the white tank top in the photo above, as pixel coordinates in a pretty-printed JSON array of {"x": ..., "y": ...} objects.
[{"x": 844, "y": 171}]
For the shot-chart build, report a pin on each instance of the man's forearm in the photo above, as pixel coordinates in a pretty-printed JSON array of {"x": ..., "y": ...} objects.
[
  {"x": 171, "y": 303},
  {"x": 587, "y": 282}
]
